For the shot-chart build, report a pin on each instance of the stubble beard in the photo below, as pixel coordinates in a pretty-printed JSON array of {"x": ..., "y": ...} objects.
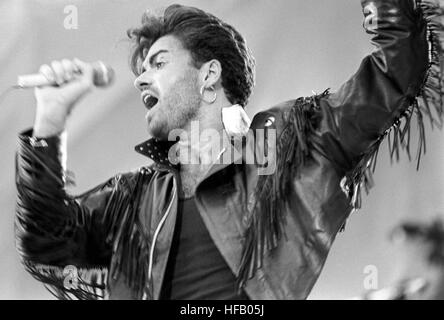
[{"x": 179, "y": 107}]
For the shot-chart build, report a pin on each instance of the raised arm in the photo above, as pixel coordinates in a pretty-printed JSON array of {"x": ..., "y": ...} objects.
[
  {"x": 401, "y": 78},
  {"x": 60, "y": 236},
  {"x": 334, "y": 136}
]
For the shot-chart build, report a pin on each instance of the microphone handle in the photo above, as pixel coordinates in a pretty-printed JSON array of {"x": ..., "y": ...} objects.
[
  {"x": 102, "y": 76},
  {"x": 33, "y": 80}
]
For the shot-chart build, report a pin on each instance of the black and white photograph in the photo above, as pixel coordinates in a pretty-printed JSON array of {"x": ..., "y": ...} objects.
[{"x": 221, "y": 150}]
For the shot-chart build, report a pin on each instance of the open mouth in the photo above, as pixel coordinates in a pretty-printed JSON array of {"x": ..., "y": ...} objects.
[{"x": 150, "y": 101}]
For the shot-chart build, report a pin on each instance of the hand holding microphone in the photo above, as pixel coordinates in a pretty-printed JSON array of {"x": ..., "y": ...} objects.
[
  {"x": 103, "y": 76},
  {"x": 59, "y": 86}
]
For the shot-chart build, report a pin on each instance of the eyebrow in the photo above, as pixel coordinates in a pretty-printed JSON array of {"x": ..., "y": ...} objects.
[{"x": 154, "y": 56}]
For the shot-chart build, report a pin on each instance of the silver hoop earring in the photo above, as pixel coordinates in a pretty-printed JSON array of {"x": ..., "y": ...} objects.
[{"x": 202, "y": 94}]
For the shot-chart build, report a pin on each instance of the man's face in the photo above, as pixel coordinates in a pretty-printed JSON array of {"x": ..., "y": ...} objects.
[{"x": 169, "y": 86}]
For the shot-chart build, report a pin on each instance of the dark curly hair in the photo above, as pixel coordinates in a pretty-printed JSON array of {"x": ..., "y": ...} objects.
[
  {"x": 431, "y": 233},
  {"x": 207, "y": 38}
]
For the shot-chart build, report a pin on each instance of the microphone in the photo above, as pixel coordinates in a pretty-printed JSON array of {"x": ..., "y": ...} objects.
[{"x": 103, "y": 76}]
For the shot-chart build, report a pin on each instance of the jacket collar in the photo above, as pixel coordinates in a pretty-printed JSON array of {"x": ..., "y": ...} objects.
[{"x": 157, "y": 150}]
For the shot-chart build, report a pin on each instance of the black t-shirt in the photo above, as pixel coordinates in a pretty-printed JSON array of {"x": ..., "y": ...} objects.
[{"x": 195, "y": 268}]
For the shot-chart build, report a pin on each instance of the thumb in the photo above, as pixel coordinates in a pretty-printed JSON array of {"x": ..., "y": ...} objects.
[
  {"x": 85, "y": 72},
  {"x": 83, "y": 82}
]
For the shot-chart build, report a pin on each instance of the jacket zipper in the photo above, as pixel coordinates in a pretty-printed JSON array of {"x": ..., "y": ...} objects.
[{"x": 156, "y": 233}]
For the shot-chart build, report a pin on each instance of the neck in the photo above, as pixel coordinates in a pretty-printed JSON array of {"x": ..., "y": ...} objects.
[{"x": 204, "y": 139}]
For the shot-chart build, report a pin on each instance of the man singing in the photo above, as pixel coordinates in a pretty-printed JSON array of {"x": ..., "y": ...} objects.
[{"x": 204, "y": 227}]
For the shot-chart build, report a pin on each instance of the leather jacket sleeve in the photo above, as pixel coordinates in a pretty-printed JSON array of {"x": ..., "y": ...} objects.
[
  {"x": 400, "y": 79},
  {"x": 327, "y": 144},
  {"x": 53, "y": 229},
  {"x": 385, "y": 85}
]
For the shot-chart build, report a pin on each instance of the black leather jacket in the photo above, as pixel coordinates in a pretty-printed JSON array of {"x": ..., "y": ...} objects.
[{"x": 274, "y": 231}]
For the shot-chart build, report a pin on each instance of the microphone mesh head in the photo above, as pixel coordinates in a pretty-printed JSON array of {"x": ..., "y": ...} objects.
[{"x": 103, "y": 74}]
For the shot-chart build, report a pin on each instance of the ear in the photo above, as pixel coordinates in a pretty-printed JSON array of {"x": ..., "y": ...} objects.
[{"x": 210, "y": 73}]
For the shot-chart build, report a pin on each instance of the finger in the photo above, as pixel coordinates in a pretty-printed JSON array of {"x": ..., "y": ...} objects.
[
  {"x": 58, "y": 71},
  {"x": 85, "y": 69},
  {"x": 68, "y": 67},
  {"x": 47, "y": 72},
  {"x": 82, "y": 66},
  {"x": 75, "y": 63},
  {"x": 81, "y": 84}
]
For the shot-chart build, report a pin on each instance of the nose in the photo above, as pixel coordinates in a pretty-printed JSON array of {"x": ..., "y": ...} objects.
[{"x": 143, "y": 81}]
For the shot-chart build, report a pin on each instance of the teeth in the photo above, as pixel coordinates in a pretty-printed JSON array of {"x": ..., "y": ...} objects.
[{"x": 145, "y": 99}]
